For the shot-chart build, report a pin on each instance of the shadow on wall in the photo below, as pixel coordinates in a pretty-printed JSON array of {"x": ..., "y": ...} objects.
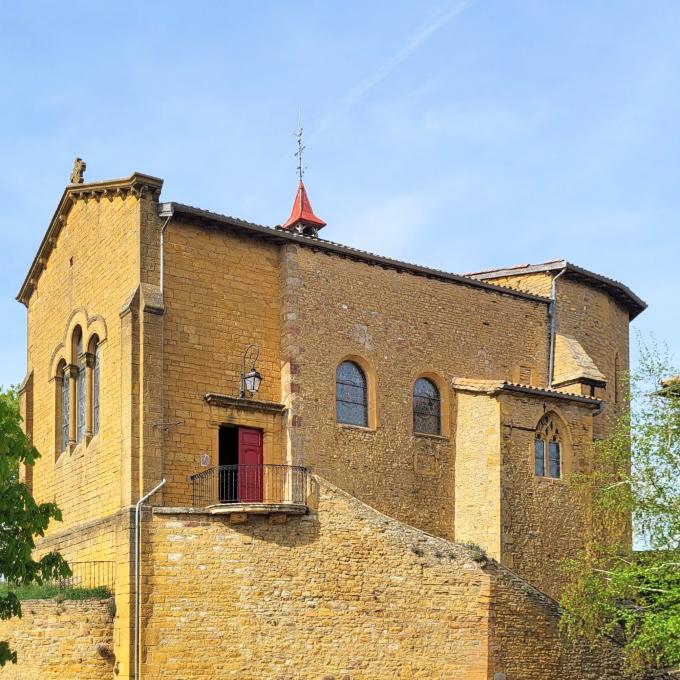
[{"x": 298, "y": 530}]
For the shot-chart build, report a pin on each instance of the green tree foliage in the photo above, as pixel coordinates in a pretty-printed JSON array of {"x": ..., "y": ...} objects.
[
  {"x": 633, "y": 596},
  {"x": 21, "y": 518}
]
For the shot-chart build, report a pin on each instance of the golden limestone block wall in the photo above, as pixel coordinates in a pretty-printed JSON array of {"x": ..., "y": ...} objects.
[
  {"x": 525, "y": 640},
  {"x": 71, "y": 640},
  {"x": 90, "y": 273},
  {"x": 598, "y": 322},
  {"x": 221, "y": 294},
  {"x": 601, "y": 325},
  {"x": 400, "y": 326},
  {"x": 529, "y": 523},
  {"x": 343, "y": 593},
  {"x": 478, "y": 472},
  {"x": 539, "y": 283},
  {"x": 541, "y": 521},
  {"x": 101, "y": 552}
]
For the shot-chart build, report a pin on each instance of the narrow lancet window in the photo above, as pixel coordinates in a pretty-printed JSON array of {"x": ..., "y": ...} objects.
[
  {"x": 64, "y": 408},
  {"x": 548, "y": 448},
  {"x": 539, "y": 457},
  {"x": 79, "y": 362},
  {"x": 95, "y": 390}
]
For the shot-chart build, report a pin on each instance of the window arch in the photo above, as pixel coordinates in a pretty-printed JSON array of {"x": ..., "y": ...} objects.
[
  {"x": 427, "y": 407},
  {"x": 548, "y": 447},
  {"x": 63, "y": 406},
  {"x": 351, "y": 394}
]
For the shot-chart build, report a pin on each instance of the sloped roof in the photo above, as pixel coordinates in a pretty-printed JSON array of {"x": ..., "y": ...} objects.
[
  {"x": 573, "y": 364},
  {"x": 495, "y": 386},
  {"x": 616, "y": 289},
  {"x": 302, "y": 212}
]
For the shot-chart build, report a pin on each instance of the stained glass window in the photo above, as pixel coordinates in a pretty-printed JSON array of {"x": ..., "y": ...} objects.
[
  {"x": 539, "y": 457},
  {"x": 426, "y": 407},
  {"x": 351, "y": 395},
  {"x": 79, "y": 360},
  {"x": 95, "y": 391},
  {"x": 64, "y": 408},
  {"x": 548, "y": 442},
  {"x": 554, "y": 459}
]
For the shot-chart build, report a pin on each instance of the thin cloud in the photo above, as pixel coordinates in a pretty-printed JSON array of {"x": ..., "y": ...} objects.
[{"x": 419, "y": 38}]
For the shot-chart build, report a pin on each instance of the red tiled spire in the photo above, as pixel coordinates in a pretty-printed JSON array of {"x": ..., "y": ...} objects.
[{"x": 302, "y": 217}]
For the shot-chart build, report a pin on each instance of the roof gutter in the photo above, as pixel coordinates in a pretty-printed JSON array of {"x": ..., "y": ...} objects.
[{"x": 164, "y": 210}]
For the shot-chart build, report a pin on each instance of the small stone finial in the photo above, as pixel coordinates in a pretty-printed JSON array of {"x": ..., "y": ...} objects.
[{"x": 78, "y": 173}]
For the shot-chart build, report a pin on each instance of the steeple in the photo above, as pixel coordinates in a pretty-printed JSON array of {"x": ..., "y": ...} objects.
[{"x": 302, "y": 219}]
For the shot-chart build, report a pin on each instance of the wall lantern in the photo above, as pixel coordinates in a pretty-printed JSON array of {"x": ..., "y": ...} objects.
[{"x": 250, "y": 381}]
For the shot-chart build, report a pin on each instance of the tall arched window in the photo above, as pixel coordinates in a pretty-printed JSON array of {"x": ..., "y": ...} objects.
[
  {"x": 78, "y": 361},
  {"x": 351, "y": 395},
  {"x": 548, "y": 448},
  {"x": 64, "y": 412},
  {"x": 427, "y": 407},
  {"x": 95, "y": 387}
]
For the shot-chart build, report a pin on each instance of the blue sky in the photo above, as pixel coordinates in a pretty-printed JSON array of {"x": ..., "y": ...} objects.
[{"x": 461, "y": 135}]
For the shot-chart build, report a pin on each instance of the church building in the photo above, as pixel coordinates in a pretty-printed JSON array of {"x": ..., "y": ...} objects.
[{"x": 305, "y": 461}]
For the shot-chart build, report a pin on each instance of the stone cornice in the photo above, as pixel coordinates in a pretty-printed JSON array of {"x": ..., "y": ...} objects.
[
  {"x": 227, "y": 401},
  {"x": 137, "y": 185}
]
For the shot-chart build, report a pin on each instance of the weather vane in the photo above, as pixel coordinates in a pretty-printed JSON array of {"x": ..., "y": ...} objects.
[{"x": 300, "y": 146}]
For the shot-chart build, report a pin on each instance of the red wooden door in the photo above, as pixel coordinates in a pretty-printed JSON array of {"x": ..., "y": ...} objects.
[{"x": 250, "y": 465}]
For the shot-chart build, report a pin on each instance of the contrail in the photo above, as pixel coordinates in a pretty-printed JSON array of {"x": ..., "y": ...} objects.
[{"x": 421, "y": 36}]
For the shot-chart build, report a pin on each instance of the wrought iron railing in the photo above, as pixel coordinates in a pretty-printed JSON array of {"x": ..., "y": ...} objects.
[
  {"x": 92, "y": 574},
  {"x": 280, "y": 484}
]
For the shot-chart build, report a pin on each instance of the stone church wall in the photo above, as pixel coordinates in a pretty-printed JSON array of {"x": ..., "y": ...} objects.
[
  {"x": 344, "y": 593},
  {"x": 401, "y": 326},
  {"x": 542, "y": 518},
  {"x": 221, "y": 295},
  {"x": 601, "y": 325},
  {"x": 88, "y": 276}
]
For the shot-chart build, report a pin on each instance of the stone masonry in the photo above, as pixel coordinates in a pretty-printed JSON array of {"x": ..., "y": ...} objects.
[{"x": 373, "y": 581}]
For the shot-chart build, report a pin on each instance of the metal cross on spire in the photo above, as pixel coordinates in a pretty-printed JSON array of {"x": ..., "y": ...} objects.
[{"x": 300, "y": 146}]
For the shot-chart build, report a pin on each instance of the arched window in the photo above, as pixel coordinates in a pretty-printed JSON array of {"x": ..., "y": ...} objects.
[
  {"x": 64, "y": 412},
  {"x": 95, "y": 386},
  {"x": 548, "y": 448},
  {"x": 351, "y": 395},
  {"x": 427, "y": 407},
  {"x": 78, "y": 361}
]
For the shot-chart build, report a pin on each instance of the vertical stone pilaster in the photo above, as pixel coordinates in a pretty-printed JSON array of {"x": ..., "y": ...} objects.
[
  {"x": 129, "y": 401},
  {"x": 150, "y": 411},
  {"x": 291, "y": 356}
]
